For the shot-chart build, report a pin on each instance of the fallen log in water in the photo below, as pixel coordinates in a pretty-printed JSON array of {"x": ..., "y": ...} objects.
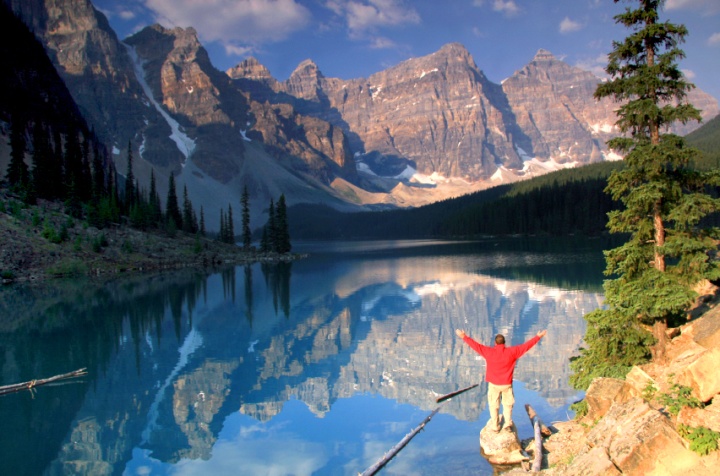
[
  {"x": 456, "y": 393},
  {"x": 396, "y": 449},
  {"x": 16, "y": 387},
  {"x": 538, "y": 430}
]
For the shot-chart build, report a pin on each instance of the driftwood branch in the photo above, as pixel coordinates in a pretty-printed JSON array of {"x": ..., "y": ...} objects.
[
  {"x": 457, "y": 392},
  {"x": 538, "y": 428},
  {"x": 396, "y": 449},
  {"x": 16, "y": 387}
]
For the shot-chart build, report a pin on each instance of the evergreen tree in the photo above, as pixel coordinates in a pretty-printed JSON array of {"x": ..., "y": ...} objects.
[
  {"x": 230, "y": 227},
  {"x": 202, "y": 222},
  {"x": 281, "y": 223},
  {"x": 98, "y": 170},
  {"x": 265, "y": 241},
  {"x": 246, "y": 233},
  {"x": 154, "y": 203},
  {"x": 73, "y": 174},
  {"x": 664, "y": 200},
  {"x": 189, "y": 222},
  {"x": 18, "y": 175},
  {"x": 129, "y": 180},
  {"x": 172, "y": 209},
  {"x": 85, "y": 174},
  {"x": 271, "y": 227},
  {"x": 222, "y": 233},
  {"x": 42, "y": 171}
]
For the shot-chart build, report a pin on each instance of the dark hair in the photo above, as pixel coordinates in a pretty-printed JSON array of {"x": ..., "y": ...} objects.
[{"x": 499, "y": 339}]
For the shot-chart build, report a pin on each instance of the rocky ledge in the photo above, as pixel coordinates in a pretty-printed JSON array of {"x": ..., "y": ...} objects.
[{"x": 635, "y": 426}]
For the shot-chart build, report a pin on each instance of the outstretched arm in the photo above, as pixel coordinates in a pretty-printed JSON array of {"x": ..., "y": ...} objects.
[
  {"x": 542, "y": 333},
  {"x": 476, "y": 346}
]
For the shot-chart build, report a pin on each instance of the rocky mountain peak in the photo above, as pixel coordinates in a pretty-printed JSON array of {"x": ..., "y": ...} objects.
[
  {"x": 250, "y": 68},
  {"x": 543, "y": 55},
  {"x": 306, "y": 81}
]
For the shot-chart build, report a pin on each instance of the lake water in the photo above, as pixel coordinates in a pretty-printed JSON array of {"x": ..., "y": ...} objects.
[{"x": 315, "y": 367}]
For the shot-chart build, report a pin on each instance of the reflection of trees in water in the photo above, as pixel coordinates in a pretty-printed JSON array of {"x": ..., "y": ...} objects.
[
  {"x": 277, "y": 279},
  {"x": 66, "y": 325},
  {"x": 248, "y": 294}
]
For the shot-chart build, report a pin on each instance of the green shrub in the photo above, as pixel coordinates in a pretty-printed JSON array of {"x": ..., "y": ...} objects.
[
  {"x": 580, "y": 408},
  {"x": 127, "y": 246},
  {"x": 36, "y": 217},
  {"x": 702, "y": 440},
  {"x": 679, "y": 397},
  {"x": 99, "y": 242},
  {"x": 77, "y": 245},
  {"x": 7, "y": 274},
  {"x": 68, "y": 267}
]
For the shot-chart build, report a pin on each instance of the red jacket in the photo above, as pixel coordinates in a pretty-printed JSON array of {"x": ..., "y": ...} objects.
[{"x": 500, "y": 359}]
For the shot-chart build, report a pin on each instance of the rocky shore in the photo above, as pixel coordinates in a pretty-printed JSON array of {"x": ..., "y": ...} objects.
[
  {"x": 660, "y": 420},
  {"x": 41, "y": 242}
]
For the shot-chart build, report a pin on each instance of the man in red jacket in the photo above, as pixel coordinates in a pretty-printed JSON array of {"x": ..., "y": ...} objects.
[{"x": 501, "y": 362}]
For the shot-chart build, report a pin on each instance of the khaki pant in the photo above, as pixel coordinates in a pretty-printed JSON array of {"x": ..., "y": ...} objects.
[{"x": 496, "y": 393}]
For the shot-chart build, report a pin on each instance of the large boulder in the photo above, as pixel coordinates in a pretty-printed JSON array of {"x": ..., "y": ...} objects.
[
  {"x": 708, "y": 417},
  {"x": 595, "y": 462},
  {"x": 702, "y": 375},
  {"x": 501, "y": 447},
  {"x": 600, "y": 396},
  {"x": 641, "y": 440}
]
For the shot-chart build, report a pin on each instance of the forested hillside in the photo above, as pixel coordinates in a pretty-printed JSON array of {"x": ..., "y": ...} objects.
[
  {"x": 707, "y": 139},
  {"x": 566, "y": 202}
]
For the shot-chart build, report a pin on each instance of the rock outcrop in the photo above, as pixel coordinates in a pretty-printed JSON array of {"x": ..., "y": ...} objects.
[{"x": 630, "y": 428}]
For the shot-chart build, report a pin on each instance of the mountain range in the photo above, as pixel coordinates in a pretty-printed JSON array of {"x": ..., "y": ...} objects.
[{"x": 424, "y": 130}]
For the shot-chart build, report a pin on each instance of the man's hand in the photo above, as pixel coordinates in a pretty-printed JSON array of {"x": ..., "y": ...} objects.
[
  {"x": 542, "y": 333},
  {"x": 460, "y": 333}
]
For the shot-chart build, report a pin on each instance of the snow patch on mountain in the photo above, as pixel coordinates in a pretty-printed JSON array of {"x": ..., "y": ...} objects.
[{"x": 185, "y": 144}]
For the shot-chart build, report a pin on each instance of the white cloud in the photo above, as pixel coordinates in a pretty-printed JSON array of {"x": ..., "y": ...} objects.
[
  {"x": 568, "y": 26},
  {"x": 714, "y": 39},
  {"x": 688, "y": 73},
  {"x": 233, "y": 22},
  {"x": 595, "y": 65},
  {"x": 507, "y": 7},
  {"x": 381, "y": 43},
  {"x": 706, "y": 6},
  {"x": 235, "y": 50},
  {"x": 368, "y": 15},
  {"x": 127, "y": 15}
]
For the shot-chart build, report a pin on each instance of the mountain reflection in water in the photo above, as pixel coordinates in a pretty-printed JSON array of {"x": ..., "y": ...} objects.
[{"x": 313, "y": 367}]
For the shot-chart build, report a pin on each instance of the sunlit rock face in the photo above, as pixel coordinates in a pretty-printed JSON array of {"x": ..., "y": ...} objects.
[{"x": 437, "y": 113}]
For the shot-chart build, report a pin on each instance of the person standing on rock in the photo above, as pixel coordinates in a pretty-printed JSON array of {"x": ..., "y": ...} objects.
[{"x": 501, "y": 362}]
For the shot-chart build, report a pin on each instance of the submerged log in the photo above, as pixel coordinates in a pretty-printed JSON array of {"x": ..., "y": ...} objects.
[
  {"x": 396, "y": 449},
  {"x": 16, "y": 387}
]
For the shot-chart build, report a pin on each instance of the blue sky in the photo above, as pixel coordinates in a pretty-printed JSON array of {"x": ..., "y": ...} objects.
[{"x": 356, "y": 38}]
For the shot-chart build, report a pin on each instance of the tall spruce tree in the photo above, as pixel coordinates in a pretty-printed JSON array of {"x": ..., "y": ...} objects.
[
  {"x": 172, "y": 209},
  {"x": 129, "y": 179},
  {"x": 189, "y": 225},
  {"x": 154, "y": 203},
  {"x": 271, "y": 227},
  {"x": 246, "y": 233},
  {"x": 281, "y": 223},
  {"x": 18, "y": 175},
  {"x": 230, "y": 227},
  {"x": 664, "y": 201}
]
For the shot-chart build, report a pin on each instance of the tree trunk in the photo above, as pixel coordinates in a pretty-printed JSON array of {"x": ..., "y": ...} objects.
[{"x": 659, "y": 332}]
